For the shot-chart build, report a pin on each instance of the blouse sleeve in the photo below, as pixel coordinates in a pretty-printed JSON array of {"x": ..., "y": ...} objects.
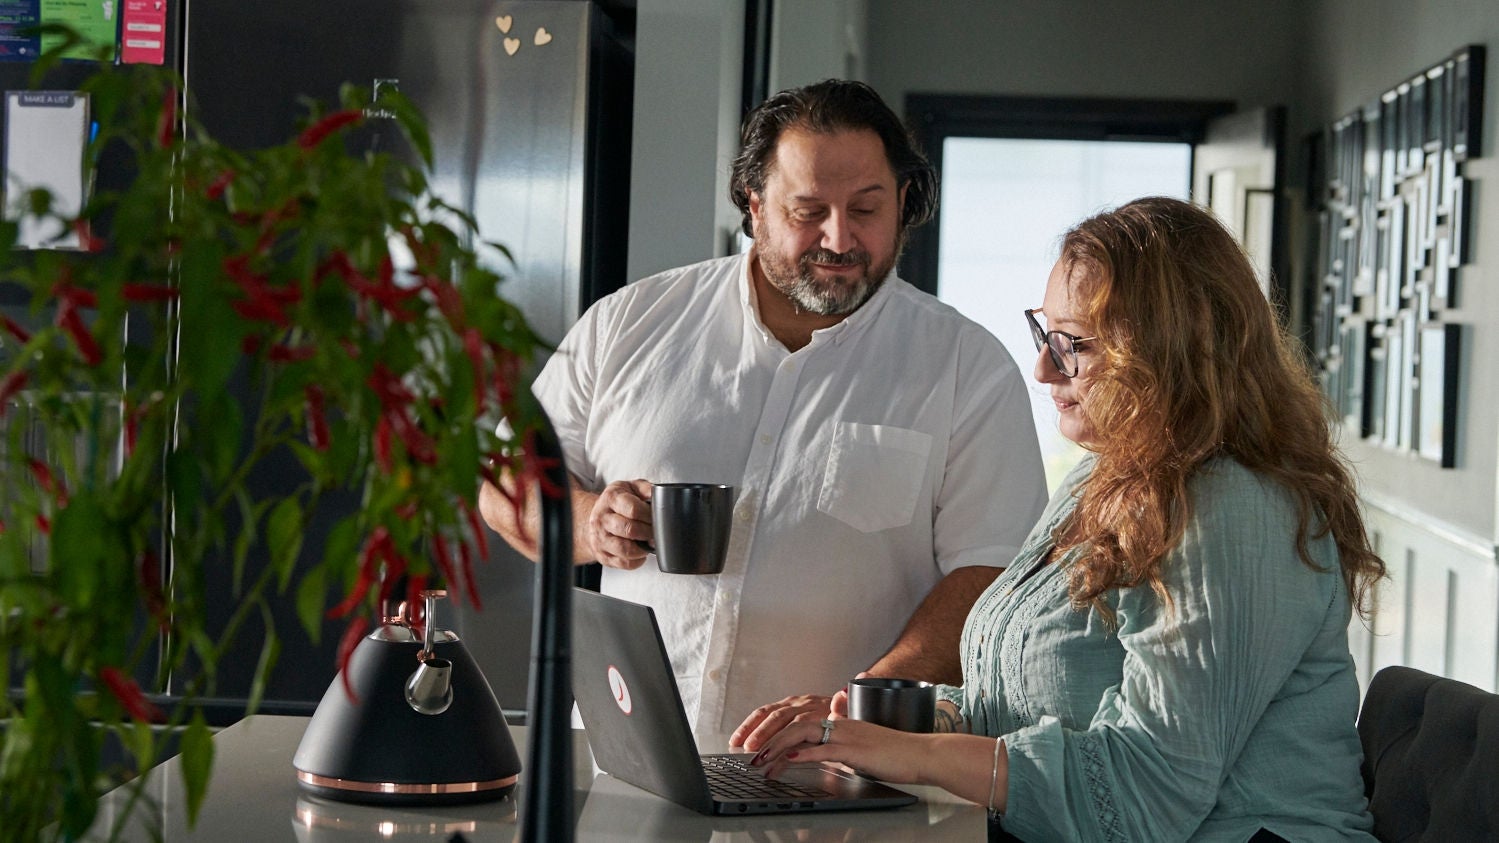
[{"x": 1197, "y": 676}]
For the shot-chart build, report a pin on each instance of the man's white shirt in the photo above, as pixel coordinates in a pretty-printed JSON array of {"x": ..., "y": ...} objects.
[{"x": 894, "y": 448}]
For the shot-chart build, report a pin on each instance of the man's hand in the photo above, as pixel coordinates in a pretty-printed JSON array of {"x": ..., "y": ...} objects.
[
  {"x": 767, "y": 720},
  {"x": 619, "y": 527}
]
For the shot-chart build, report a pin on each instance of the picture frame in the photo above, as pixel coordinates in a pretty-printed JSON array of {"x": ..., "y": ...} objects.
[
  {"x": 1393, "y": 236},
  {"x": 1437, "y": 392}
]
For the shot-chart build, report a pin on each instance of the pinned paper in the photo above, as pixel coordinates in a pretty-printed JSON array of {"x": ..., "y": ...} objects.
[
  {"x": 18, "y": 38},
  {"x": 45, "y": 134},
  {"x": 143, "y": 32}
]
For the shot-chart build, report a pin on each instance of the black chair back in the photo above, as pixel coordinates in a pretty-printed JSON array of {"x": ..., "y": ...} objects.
[{"x": 1431, "y": 757}]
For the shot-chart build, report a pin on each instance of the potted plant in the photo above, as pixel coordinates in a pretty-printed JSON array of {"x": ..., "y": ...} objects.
[{"x": 378, "y": 351}]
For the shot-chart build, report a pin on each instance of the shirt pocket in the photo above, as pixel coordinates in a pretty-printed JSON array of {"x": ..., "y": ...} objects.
[{"x": 874, "y": 474}]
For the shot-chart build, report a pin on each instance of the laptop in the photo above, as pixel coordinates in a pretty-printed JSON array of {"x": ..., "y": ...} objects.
[{"x": 637, "y": 728}]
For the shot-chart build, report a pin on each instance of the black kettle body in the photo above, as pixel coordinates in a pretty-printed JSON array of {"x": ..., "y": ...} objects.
[{"x": 424, "y": 727}]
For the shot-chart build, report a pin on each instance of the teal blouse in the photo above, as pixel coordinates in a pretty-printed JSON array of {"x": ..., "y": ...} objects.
[{"x": 1232, "y": 711}]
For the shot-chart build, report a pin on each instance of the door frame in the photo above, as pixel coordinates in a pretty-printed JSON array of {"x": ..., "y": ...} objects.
[{"x": 934, "y": 118}]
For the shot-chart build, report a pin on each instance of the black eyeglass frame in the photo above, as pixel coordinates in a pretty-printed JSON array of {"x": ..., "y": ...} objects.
[{"x": 1059, "y": 356}]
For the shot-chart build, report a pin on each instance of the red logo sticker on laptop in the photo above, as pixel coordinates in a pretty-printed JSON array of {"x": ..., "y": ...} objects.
[{"x": 620, "y": 690}]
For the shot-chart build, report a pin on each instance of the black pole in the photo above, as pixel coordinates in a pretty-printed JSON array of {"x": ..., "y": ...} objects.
[{"x": 546, "y": 812}]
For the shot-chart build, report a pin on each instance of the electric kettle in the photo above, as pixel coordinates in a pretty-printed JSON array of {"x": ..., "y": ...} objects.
[{"x": 423, "y": 726}]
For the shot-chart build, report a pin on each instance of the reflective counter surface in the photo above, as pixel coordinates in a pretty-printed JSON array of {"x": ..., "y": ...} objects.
[{"x": 254, "y": 796}]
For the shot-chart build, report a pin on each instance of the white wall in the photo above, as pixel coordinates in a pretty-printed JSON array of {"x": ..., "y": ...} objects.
[
  {"x": 688, "y": 63},
  {"x": 813, "y": 41}
]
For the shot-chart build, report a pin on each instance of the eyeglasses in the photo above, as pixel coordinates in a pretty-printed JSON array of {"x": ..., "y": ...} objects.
[{"x": 1061, "y": 345}]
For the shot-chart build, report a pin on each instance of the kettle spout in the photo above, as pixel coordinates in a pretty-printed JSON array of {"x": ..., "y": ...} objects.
[{"x": 430, "y": 689}]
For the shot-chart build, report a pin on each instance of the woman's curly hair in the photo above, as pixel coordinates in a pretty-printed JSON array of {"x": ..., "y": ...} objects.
[{"x": 1191, "y": 364}]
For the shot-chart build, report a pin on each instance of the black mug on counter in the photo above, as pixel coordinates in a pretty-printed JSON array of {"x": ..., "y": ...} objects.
[
  {"x": 691, "y": 523},
  {"x": 909, "y": 705}
]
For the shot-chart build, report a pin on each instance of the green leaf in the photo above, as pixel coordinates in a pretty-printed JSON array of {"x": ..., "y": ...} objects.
[
  {"x": 208, "y": 355},
  {"x": 312, "y": 594},
  {"x": 270, "y": 651},
  {"x": 80, "y": 551},
  {"x": 284, "y": 536},
  {"x": 197, "y": 764}
]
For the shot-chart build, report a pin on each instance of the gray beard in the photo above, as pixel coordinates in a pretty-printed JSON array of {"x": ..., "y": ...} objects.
[{"x": 804, "y": 290}]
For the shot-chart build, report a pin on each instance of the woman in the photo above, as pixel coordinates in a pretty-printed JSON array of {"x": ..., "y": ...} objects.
[{"x": 1167, "y": 657}]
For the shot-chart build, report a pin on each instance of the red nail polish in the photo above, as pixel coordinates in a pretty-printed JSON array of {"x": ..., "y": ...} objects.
[{"x": 792, "y": 754}]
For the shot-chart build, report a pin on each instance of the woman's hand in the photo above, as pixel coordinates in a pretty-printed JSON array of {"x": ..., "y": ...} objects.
[
  {"x": 885, "y": 754},
  {"x": 767, "y": 720}
]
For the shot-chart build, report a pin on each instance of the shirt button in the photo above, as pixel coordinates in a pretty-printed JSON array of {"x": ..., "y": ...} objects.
[
  {"x": 766, "y": 439},
  {"x": 715, "y": 675}
]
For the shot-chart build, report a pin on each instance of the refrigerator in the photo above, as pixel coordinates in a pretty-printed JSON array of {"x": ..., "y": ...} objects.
[{"x": 529, "y": 106}]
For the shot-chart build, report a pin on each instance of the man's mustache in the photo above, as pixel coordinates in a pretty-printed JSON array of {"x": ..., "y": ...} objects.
[{"x": 826, "y": 257}]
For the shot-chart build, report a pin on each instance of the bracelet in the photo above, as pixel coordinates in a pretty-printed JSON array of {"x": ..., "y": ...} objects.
[{"x": 994, "y": 773}]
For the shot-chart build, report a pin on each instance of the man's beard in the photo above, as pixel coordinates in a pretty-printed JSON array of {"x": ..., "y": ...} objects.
[{"x": 837, "y": 297}]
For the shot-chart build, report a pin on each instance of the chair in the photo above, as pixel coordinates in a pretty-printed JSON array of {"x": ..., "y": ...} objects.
[{"x": 1431, "y": 757}]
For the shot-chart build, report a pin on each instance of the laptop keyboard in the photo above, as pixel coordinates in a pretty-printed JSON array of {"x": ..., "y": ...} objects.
[{"x": 731, "y": 777}]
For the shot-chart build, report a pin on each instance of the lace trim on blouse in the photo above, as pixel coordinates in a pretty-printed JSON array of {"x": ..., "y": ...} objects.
[{"x": 1100, "y": 793}]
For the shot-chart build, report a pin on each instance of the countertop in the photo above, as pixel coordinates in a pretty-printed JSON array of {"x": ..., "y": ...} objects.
[{"x": 254, "y": 796}]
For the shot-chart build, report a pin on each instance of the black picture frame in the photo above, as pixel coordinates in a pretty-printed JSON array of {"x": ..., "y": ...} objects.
[{"x": 1436, "y": 392}]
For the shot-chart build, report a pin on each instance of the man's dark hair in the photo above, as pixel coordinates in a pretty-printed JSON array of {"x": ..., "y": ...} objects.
[{"x": 831, "y": 106}]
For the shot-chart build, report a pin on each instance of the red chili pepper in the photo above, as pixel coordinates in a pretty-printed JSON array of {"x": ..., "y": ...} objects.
[
  {"x": 22, "y": 335},
  {"x": 319, "y": 131},
  {"x": 44, "y": 524},
  {"x": 466, "y": 560},
  {"x": 346, "y": 645},
  {"x": 418, "y": 444},
  {"x": 517, "y": 503},
  {"x": 148, "y": 292},
  {"x": 220, "y": 184},
  {"x": 480, "y": 538},
  {"x": 395, "y": 568},
  {"x": 76, "y": 296},
  {"x": 86, "y": 239},
  {"x": 13, "y": 383},
  {"x": 69, "y": 320},
  {"x": 443, "y": 556},
  {"x": 263, "y": 303},
  {"x": 369, "y": 559},
  {"x": 129, "y": 696},
  {"x": 47, "y": 480},
  {"x": 382, "y": 445},
  {"x": 449, "y": 300},
  {"x": 317, "y": 420},
  {"x": 388, "y": 388},
  {"x": 166, "y": 126},
  {"x": 473, "y": 346},
  {"x": 149, "y": 571},
  {"x": 283, "y": 353},
  {"x": 131, "y": 426},
  {"x": 383, "y": 290}
]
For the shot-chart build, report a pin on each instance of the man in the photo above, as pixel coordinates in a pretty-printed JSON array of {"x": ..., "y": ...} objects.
[{"x": 882, "y": 444}]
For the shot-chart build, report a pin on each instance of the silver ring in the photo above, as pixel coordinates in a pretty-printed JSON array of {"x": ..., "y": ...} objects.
[{"x": 827, "y": 731}]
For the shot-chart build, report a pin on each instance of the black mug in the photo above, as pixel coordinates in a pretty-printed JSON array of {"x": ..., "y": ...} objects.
[
  {"x": 691, "y": 523},
  {"x": 909, "y": 705}
]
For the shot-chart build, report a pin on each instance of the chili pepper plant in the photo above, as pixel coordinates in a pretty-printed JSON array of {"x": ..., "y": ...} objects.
[{"x": 365, "y": 316}]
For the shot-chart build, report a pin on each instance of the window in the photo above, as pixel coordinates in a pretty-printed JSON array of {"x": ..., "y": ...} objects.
[{"x": 1018, "y": 172}]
